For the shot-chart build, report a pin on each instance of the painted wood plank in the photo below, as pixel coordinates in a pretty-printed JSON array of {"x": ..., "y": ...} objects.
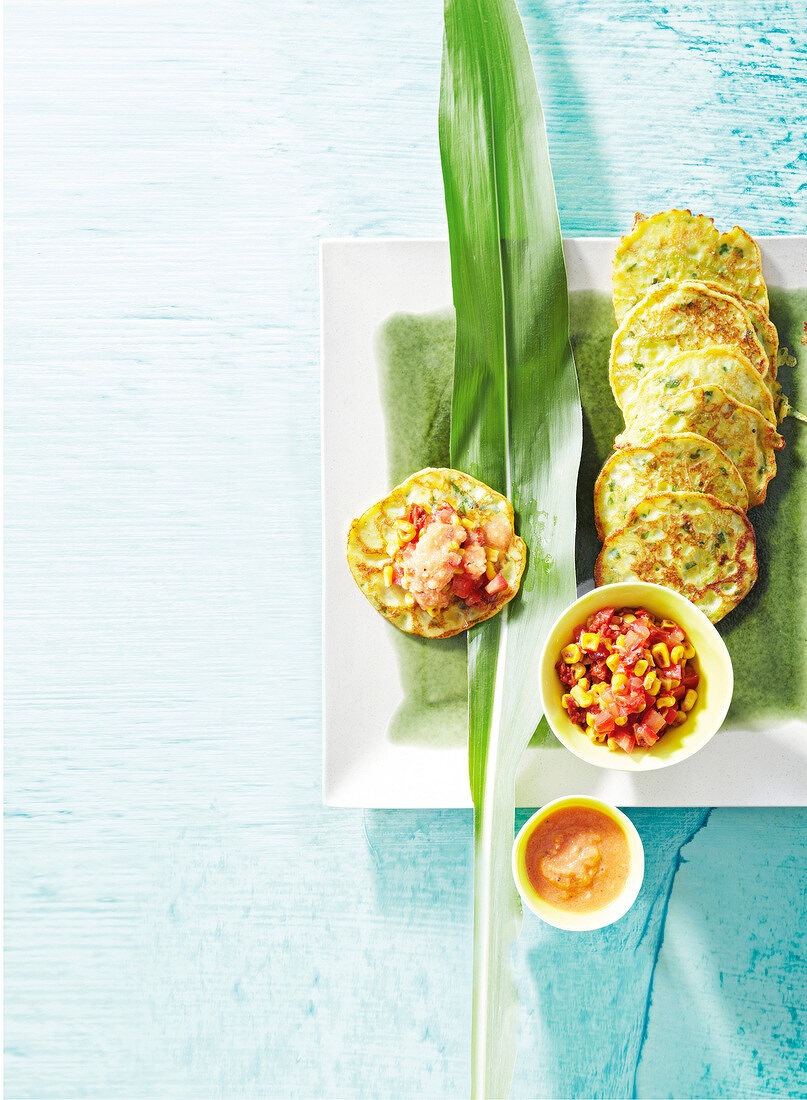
[{"x": 183, "y": 916}]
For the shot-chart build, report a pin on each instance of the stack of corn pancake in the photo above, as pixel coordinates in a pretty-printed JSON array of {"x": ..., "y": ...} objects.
[{"x": 693, "y": 369}]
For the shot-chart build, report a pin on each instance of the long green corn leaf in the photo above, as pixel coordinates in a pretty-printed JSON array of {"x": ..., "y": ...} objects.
[{"x": 516, "y": 425}]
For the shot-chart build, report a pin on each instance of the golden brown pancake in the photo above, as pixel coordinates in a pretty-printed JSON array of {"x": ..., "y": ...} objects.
[
  {"x": 690, "y": 542},
  {"x": 667, "y": 463}
]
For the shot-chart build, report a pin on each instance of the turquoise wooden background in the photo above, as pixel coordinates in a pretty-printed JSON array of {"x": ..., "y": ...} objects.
[{"x": 184, "y": 918}]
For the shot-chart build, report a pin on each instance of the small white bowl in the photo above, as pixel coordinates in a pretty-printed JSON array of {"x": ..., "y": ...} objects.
[
  {"x": 599, "y": 918},
  {"x": 714, "y": 690}
]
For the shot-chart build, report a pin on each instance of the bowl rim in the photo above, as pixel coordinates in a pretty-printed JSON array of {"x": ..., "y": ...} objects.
[
  {"x": 598, "y": 918},
  {"x": 715, "y": 666}
]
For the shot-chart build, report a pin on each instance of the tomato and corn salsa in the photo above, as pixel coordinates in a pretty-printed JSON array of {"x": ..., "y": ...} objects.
[{"x": 628, "y": 677}]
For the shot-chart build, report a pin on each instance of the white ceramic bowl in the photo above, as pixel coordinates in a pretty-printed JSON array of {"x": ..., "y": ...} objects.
[
  {"x": 599, "y": 918},
  {"x": 714, "y": 690}
]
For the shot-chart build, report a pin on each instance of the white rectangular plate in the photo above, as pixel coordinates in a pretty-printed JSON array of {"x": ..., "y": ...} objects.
[{"x": 363, "y": 283}]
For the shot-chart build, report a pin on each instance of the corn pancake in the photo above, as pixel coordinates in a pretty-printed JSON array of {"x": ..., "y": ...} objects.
[
  {"x": 745, "y": 436},
  {"x": 373, "y": 542},
  {"x": 677, "y": 318},
  {"x": 676, "y": 245},
  {"x": 690, "y": 542},
  {"x": 763, "y": 326},
  {"x": 668, "y": 463},
  {"x": 718, "y": 365}
]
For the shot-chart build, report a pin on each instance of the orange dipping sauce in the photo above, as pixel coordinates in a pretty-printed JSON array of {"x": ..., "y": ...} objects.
[{"x": 578, "y": 859}]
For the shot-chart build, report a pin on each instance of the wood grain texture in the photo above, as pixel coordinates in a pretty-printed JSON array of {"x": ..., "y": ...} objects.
[{"x": 183, "y": 916}]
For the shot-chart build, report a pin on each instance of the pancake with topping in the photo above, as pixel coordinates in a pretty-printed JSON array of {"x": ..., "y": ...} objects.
[
  {"x": 675, "y": 318},
  {"x": 438, "y": 554},
  {"x": 690, "y": 542},
  {"x": 668, "y": 463},
  {"x": 719, "y": 366},
  {"x": 676, "y": 245}
]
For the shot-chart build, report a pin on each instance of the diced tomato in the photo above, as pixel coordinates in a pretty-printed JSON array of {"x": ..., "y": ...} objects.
[
  {"x": 645, "y": 736},
  {"x": 498, "y": 584},
  {"x": 397, "y": 574},
  {"x": 445, "y": 511},
  {"x": 691, "y": 677},
  {"x": 679, "y": 692},
  {"x": 625, "y": 741},
  {"x": 563, "y": 670},
  {"x": 604, "y": 722},
  {"x": 469, "y": 590},
  {"x": 638, "y": 634},
  {"x": 674, "y": 672},
  {"x": 654, "y": 721},
  {"x": 675, "y": 636},
  {"x": 637, "y": 701},
  {"x": 578, "y": 630},
  {"x": 417, "y": 516},
  {"x": 577, "y": 714},
  {"x": 636, "y": 683},
  {"x": 669, "y": 714},
  {"x": 600, "y": 671},
  {"x": 601, "y": 618}
]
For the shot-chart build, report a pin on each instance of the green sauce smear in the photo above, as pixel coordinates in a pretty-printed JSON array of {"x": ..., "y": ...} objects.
[{"x": 766, "y": 635}]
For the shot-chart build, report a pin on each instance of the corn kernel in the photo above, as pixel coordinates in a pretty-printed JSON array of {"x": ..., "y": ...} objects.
[
  {"x": 619, "y": 681},
  {"x": 571, "y": 654},
  {"x": 680, "y": 718},
  {"x": 689, "y": 700},
  {"x": 667, "y": 683},
  {"x": 620, "y": 641},
  {"x": 640, "y": 668},
  {"x": 661, "y": 654},
  {"x": 467, "y": 523},
  {"x": 584, "y": 683},
  {"x": 597, "y": 689},
  {"x": 628, "y": 618},
  {"x": 579, "y": 671},
  {"x": 648, "y": 656},
  {"x": 677, "y": 654},
  {"x": 388, "y": 575},
  {"x": 650, "y": 681},
  {"x": 406, "y": 532},
  {"x": 665, "y": 701},
  {"x": 612, "y": 745},
  {"x": 581, "y": 696},
  {"x": 589, "y": 640},
  {"x": 622, "y": 720},
  {"x": 606, "y": 644},
  {"x": 689, "y": 652},
  {"x": 565, "y": 700},
  {"x": 612, "y": 662},
  {"x": 409, "y": 599},
  {"x": 656, "y": 688},
  {"x": 589, "y": 718},
  {"x": 668, "y": 624},
  {"x": 491, "y": 553},
  {"x": 490, "y": 572}
]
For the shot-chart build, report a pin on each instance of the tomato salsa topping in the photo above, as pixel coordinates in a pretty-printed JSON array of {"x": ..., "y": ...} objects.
[
  {"x": 628, "y": 677},
  {"x": 444, "y": 554}
]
